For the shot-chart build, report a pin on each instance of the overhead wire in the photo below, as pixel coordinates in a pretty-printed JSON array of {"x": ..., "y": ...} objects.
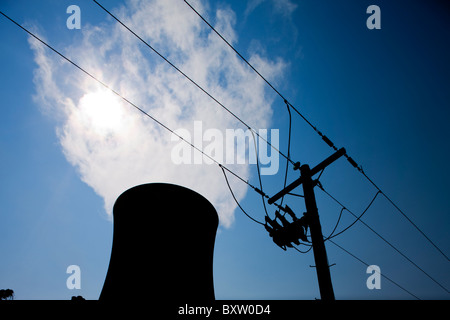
[
  {"x": 263, "y": 195},
  {"x": 324, "y": 137},
  {"x": 295, "y": 195},
  {"x": 358, "y": 218},
  {"x": 330, "y": 236},
  {"x": 288, "y": 151},
  {"x": 237, "y": 202},
  {"x": 297, "y": 249}
]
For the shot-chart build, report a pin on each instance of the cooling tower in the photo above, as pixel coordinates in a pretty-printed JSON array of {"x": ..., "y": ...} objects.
[{"x": 163, "y": 245}]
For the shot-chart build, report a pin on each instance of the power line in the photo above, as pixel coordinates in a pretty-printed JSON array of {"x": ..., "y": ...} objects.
[
  {"x": 192, "y": 81},
  {"x": 288, "y": 150},
  {"x": 336, "y": 225},
  {"x": 324, "y": 137},
  {"x": 237, "y": 202},
  {"x": 358, "y": 218},
  {"x": 259, "y": 174},
  {"x": 366, "y": 264},
  {"x": 297, "y": 249}
]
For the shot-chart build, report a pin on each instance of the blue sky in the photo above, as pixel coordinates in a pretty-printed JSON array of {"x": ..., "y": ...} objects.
[{"x": 381, "y": 94}]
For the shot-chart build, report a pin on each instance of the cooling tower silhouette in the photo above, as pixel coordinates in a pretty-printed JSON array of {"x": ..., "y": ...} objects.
[{"x": 163, "y": 246}]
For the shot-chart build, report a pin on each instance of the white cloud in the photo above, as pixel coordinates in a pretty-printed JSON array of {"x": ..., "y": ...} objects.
[
  {"x": 252, "y": 5},
  {"x": 112, "y": 155},
  {"x": 283, "y": 7}
]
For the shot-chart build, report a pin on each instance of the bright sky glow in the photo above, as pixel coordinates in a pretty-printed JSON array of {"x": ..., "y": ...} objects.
[{"x": 101, "y": 111}]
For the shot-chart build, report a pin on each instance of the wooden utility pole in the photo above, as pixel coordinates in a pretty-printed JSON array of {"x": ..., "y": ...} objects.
[
  {"x": 312, "y": 215},
  {"x": 320, "y": 253}
]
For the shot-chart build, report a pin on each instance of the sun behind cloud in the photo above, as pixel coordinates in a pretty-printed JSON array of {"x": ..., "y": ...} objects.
[{"x": 102, "y": 111}]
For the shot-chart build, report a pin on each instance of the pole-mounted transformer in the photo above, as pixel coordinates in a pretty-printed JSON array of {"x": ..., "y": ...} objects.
[{"x": 288, "y": 232}]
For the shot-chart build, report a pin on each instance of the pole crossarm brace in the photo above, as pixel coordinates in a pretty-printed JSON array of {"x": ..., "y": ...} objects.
[{"x": 314, "y": 170}]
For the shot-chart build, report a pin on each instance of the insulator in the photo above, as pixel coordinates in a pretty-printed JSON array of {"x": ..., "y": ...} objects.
[
  {"x": 327, "y": 141},
  {"x": 260, "y": 192},
  {"x": 290, "y": 212},
  {"x": 352, "y": 162},
  {"x": 282, "y": 219},
  {"x": 275, "y": 225}
]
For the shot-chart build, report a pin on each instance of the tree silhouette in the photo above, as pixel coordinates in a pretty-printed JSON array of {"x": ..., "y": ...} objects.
[
  {"x": 6, "y": 294},
  {"x": 77, "y": 298}
]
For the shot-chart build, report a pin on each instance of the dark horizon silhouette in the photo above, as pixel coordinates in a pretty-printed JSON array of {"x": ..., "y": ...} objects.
[
  {"x": 163, "y": 244},
  {"x": 6, "y": 294}
]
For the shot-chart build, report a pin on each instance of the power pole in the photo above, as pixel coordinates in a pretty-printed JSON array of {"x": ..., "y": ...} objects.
[
  {"x": 312, "y": 216},
  {"x": 320, "y": 253}
]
